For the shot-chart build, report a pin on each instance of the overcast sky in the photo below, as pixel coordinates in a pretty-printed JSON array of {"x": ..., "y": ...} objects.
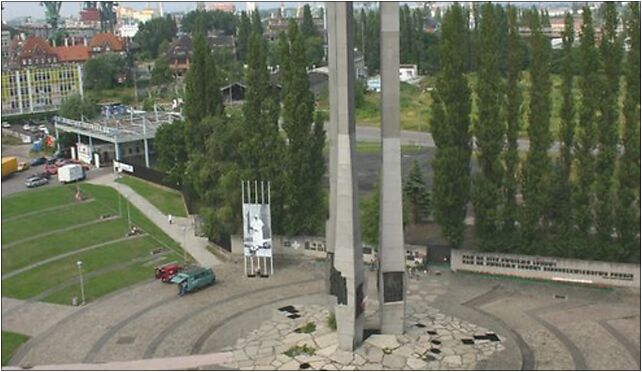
[{"x": 13, "y": 9}]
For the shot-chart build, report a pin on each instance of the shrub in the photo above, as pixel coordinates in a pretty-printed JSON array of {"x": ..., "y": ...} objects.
[
  {"x": 298, "y": 350},
  {"x": 332, "y": 322}
]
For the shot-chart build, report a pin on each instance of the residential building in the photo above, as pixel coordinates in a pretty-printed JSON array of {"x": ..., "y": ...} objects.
[
  {"x": 180, "y": 50},
  {"x": 222, "y": 6}
]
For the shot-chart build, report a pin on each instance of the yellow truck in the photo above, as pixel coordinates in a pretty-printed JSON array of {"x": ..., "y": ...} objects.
[{"x": 9, "y": 166}]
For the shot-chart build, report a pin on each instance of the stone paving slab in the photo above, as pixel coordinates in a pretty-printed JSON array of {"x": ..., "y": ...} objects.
[{"x": 33, "y": 317}]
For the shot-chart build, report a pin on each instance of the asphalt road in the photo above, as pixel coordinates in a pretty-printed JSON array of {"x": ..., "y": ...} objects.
[{"x": 16, "y": 182}]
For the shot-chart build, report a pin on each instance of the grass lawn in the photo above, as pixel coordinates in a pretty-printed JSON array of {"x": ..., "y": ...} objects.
[
  {"x": 375, "y": 147},
  {"x": 10, "y": 343},
  {"x": 166, "y": 200},
  {"x": 34, "y": 200},
  {"x": 33, "y": 282},
  {"x": 101, "y": 285},
  {"x": 48, "y": 221},
  {"x": 111, "y": 256},
  {"x": 55, "y": 244}
]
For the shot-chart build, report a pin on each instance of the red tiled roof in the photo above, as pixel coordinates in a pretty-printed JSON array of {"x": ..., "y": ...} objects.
[
  {"x": 33, "y": 44},
  {"x": 75, "y": 53},
  {"x": 115, "y": 43}
]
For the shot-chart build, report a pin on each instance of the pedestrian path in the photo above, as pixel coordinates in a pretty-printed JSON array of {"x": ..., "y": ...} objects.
[
  {"x": 194, "y": 245},
  {"x": 209, "y": 361}
]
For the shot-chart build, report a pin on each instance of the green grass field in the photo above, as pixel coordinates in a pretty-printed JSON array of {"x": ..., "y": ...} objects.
[
  {"x": 166, "y": 200},
  {"x": 106, "y": 268},
  {"x": 10, "y": 343}
]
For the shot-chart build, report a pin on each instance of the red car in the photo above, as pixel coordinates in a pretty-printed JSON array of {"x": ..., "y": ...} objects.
[
  {"x": 51, "y": 169},
  {"x": 166, "y": 272}
]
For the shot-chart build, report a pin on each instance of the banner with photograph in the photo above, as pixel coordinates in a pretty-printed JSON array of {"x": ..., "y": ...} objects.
[{"x": 257, "y": 230}]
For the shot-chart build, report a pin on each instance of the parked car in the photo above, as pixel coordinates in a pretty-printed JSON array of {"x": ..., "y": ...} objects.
[
  {"x": 36, "y": 181},
  {"x": 166, "y": 272},
  {"x": 60, "y": 162},
  {"x": 51, "y": 169},
  {"x": 6, "y": 125},
  {"x": 23, "y": 166},
  {"x": 38, "y": 161},
  {"x": 26, "y": 127},
  {"x": 193, "y": 278}
]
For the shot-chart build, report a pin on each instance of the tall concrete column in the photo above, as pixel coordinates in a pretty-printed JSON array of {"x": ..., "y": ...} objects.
[
  {"x": 347, "y": 278},
  {"x": 392, "y": 278}
]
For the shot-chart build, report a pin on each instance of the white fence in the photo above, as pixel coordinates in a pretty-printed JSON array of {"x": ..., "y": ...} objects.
[{"x": 610, "y": 274}]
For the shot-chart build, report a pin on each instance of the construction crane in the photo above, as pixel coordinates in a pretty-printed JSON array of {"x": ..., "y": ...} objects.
[
  {"x": 107, "y": 16},
  {"x": 52, "y": 13}
]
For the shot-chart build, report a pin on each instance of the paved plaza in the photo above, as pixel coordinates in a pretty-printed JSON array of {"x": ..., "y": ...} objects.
[{"x": 539, "y": 325}]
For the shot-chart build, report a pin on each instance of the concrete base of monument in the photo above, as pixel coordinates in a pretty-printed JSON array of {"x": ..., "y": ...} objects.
[{"x": 301, "y": 336}]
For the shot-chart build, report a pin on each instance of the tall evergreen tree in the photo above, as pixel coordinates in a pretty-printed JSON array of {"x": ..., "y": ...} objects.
[
  {"x": 372, "y": 36},
  {"x": 611, "y": 55},
  {"x": 586, "y": 135},
  {"x": 304, "y": 212},
  {"x": 450, "y": 125},
  {"x": 537, "y": 168},
  {"x": 406, "y": 39},
  {"x": 512, "y": 112},
  {"x": 257, "y": 24},
  {"x": 562, "y": 205},
  {"x": 308, "y": 28},
  {"x": 416, "y": 195},
  {"x": 489, "y": 132},
  {"x": 202, "y": 95},
  {"x": 262, "y": 146},
  {"x": 628, "y": 215},
  {"x": 243, "y": 34}
]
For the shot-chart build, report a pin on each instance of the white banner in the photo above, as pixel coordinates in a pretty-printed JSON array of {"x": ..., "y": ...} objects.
[
  {"x": 119, "y": 167},
  {"x": 257, "y": 230},
  {"x": 84, "y": 153}
]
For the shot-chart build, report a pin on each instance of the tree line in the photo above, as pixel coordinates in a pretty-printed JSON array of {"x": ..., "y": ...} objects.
[
  {"x": 214, "y": 148},
  {"x": 582, "y": 202}
]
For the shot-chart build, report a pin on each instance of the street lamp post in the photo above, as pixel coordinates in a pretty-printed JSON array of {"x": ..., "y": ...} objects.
[{"x": 82, "y": 284}]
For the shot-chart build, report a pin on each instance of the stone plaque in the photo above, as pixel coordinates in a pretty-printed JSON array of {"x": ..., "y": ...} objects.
[
  {"x": 338, "y": 286},
  {"x": 393, "y": 286}
]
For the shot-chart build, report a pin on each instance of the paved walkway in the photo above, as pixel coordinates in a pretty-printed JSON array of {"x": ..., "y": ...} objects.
[
  {"x": 177, "y": 363},
  {"x": 195, "y": 246},
  {"x": 32, "y": 317}
]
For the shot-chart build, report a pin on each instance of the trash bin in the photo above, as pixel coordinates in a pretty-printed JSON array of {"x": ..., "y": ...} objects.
[{"x": 74, "y": 301}]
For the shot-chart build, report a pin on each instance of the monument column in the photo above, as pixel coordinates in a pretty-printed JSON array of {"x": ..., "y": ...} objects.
[
  {"x": 347, "y": 276},
  {"x": 392, "y": 278}
]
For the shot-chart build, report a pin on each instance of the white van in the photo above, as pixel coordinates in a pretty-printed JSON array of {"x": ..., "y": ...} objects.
[{"x": 70, "y": 173}]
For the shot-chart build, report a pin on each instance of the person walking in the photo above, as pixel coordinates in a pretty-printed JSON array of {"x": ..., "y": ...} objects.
[{"x": 169, "y": 218}]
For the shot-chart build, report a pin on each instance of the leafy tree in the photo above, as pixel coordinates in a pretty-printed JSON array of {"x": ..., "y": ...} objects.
[
  {"x": 313, "y": 51},
  {"x": 611, "y": 54},
  {"x": 450, "y": 125},
  {"x": 586, "y": 135},
  {"x": 304, "y": 164},
  {"x": 103, "y": 71},
  {"x": 489, "y": 131},
  {"x": 512, "y": 112},
  {"x": 242, "y": 35},
  {"x": 161, "y": 74},
  {"x": 562, "y": 205},
  {"x": 202, "y": 95},
  {"x": 203, "y": 21},
  {"x": 76, "y": 107},
  {"x": 416, "y": 195},
  {"x": 308, "y": 28},
  {"x": 406, "y": 36},
  {"x": 152, "y": 33},
  {"x": 372, "y": 36},
  {"x": 262, "y": 145},
  {"x": 537, "y": 168},
  {"x": 172, "y": 152},
  {"x": 628, "y": 192},
  {"x": 369, "y": 218}
]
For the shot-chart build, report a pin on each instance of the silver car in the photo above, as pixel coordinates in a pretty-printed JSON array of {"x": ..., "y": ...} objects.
[{"x": 36, "y": 181}]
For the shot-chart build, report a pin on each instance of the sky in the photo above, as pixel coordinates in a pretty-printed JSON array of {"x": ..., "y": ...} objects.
[{"x": 14, "y": 9}]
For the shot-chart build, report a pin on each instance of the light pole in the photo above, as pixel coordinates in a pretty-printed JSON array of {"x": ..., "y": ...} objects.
[
  {"x": 184, "y": 250},
  {"x": 82, "y": 284}
]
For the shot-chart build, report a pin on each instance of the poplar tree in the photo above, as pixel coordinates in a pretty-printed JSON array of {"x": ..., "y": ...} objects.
[
  {"x": 611, "y": 55},
  {"x": 489, "y": 132},
  {"x": 262, "y": 146},
  {"x": 536, "y": 171},
  {"x": 513, "y": 110},
  {"x": 308, "y": 28},
  {"x": 450, "y": 125},
  {"x": 628, "y": 215},
  {"x": 243, "y": 34},
  {"x": 562, "y": 205},
  {"x": 257, "y": 25},
  {"x": 304, "y": 163},
  {"x": 586, "y": 134},
  {"x": 202, "y": 95}
]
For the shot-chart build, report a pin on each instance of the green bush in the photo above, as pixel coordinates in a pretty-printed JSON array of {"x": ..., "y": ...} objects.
[
  {"x": 308, "y": 327},
  {"x": 298, "y": 350},
  {"x": 332, "y": 322}
]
